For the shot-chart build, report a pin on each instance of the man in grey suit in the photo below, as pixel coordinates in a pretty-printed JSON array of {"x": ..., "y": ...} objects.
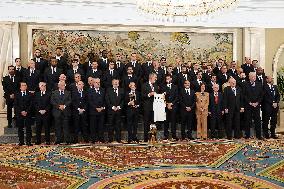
[{"x": 61, "y": 101}]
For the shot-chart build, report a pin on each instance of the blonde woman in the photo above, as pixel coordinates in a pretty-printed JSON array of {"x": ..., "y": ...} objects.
[{"x": 202, "y": 102}]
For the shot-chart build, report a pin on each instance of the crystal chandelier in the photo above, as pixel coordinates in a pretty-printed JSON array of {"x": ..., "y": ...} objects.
[{"x": 184, "y": 9}]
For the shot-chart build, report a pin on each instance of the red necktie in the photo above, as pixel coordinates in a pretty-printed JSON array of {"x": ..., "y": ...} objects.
[{"x": 216, "y": 99}]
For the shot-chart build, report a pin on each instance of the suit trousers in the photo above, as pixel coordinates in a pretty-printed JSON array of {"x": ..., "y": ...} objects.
[
  {"x": 216, "y": 122},
  {"x": 10, "y": 104},
  {"x": 42, "y": 121},
  {"x": 269, "y": 114},
  {"x": 187, "y": 123},
  {"x": 97, "y": 127},
  {"x": 62, "y": 131},
  {"x": 114, "y": 118},
  {"x": 132, "y": 115},
  {"x": 80, "y": 124},
  {"x": 148, "y": 119},
  {"x": 233, "y": 122},
  {"x": 23, "y": 122},
  {"x": 253, "y": 114},
  {"x": 201, "y": 118},
  {"x": 170, "y": 118}
]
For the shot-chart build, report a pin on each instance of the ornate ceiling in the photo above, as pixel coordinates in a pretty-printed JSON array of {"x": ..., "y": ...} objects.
[{"x": 249, "y": 13}]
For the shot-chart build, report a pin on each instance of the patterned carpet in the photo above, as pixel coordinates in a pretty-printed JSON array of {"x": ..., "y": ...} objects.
[{"x": 196, "y": 164}]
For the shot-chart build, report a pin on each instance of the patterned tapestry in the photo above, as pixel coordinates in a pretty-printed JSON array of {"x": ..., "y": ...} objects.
[{"x": 193, "y": 47}]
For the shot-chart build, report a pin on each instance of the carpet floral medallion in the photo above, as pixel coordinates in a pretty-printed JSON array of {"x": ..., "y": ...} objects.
[{"x": 195, "y": 165}]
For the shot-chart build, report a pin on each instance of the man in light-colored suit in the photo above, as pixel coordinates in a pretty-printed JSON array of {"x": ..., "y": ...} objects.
[{"x": 61, "y": 101}]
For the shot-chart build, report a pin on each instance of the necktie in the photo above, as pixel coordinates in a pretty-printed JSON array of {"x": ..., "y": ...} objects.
[
  {"x": 216, "y": 98},
  {"x": 80, "y": 91},
  {"x": 169, "y": 85},
  {"x": 115, "y": 90},
  {"x": 75, "y": 71},
  {"x": 184, "y": 75},
  {"x": 133, "y": 64},
  {"x": 52, "y": 70},
  {"x": 41, "y": 93},
  {"x": 234, "y": 90},
  {"x": 12, "y": 78},
  {"x": 118, "y": 64},
  {"x": 22, "y": 93},
  {"x": 152, "y": 88},
  {"x": 111, "y": 72},
  {"x": 187, "y": 91}
]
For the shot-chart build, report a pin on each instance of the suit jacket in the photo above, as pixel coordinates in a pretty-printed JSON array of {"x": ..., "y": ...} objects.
[
  {"x": 160, "y": 76},
  {"x": 103, "y": 65},
  {"x": 216, "y": 109},
  {"x": 32, "y": 80},
  {"x": 23, "y": 103},
  {"x": 148, "y": 101},
  {"x": 270, "y": 96},
  {"x": 176, "y": 71},
  {"x": 217, "y": 71},
  {"x": 112, "y": 99},
  {"x": 129, "y": 97},
  {"x": 41, "y": 65},
  {"x": 146, "y": 69},
  {"x": 252, "y": 94},
  {"x": 70, "y": 75},
  {"x": 120, "y": 67},
  {"x": 233, "y": 73},
  {"x": 42, "y": 102},
  {"x": 172, "y": 95},
  {"x": 195, "y": 85},
  {"x": 187, "y": 100},
  {"x": 94, "y": 74},
  {"x": 223, "y": 79},
  {"x": 232, "y": 102},
  {"x": 63, "y": 64},
  {"x": 9, "y": 86},
  {"x": 79, "y": 101},
  {"x": 181, "y": 79},
  {"x": 261, "y": 79},
  {"x": 247, "y": 69},
  {"x": 126, "y": 80},
  {"x": 202, "y": 101},
  {"x": 107, "y": 78},
  {"x": 20, "y": 73},
  {"x": 51, "y": 79},
  {"x": 95, "y": 100},
  {"x": 57, "y": 99}
]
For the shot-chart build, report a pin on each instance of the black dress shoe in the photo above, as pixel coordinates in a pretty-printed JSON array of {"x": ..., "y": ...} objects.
[
  {"x": 21, "y": 144},
  {"x": 275, "y": 137},
  {"x": 47, "y": 143},
  {"x": 29, "y": 144}
]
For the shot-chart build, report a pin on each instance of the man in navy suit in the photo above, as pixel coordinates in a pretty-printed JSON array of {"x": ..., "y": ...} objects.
[
  {"x": 79, "y": 112},
  {"x": 32, "y": 77},
  {"x": 114, "y": 101},
  {"x": 40, "y": 63},
  {"x": 187, "y": 109},
  {"x": 171, "y": 95},
  {"x": 42, "y": 113},
  {"x": 216, "y": 112},
  {"x": 270, "y": 107},
  {"x": 23, "y": 104},
  {"x": 96, "y": 109}
]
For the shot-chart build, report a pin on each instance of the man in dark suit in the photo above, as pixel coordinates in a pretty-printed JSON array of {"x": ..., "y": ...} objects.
[
  {"x": 217, "y": 69},
  {"x": 119, "y": 66},
  {"x": 136, "y": 66},
  {"x": 270, "y": 107},
  {"x": 247, "y": 67},
  {"x": 170, "y": 72},
  {"x": 149, "y": 89},
  {"x": 94, "y": 72},
  {"x": 195, "y": 84},
  {"x": 253, "y": 95},
  {"x": 187, "y": 109},
  {"x": 61, "y": 102},
  {"x": 223, "y": 76},
  {"x": 194, "y": 72},
  {"x": 96, "y": 109},
  {"x": 216, "y": 112},
  {"x": 40, "y": 63},
  {"x": 73, "y": 86},
  {"x": 19, "y": 70},
  {"x": 75, "y": 69},
  {"x": 159, "y": 72},
  {"x": 52, "y": 73},
  {"x": 211, "y": 83},
  {"x": 132, "y": 99},
  {"x": 103, "y": 61},
  {"x": 42, "y": 109},
  {"x": 109, "y": 75},
  {"x": 114, "y": 101},
  {"x": 232, "y": 105},
  {"x": 178, "y": 65},
  {"x": 23, "y": 103},
  {"x": 31, "y": 76},
  {"x": 62, "y": 61},
  {"x": 233, "y": 69},
  {"x": 79, "y": 112},
  {"x": 10, "y": 85},
  {"x": 260, "y": 76},
  {"x": 129, "y": 77},
  {"x": 182, "y": 76},
  {"x": 171, "y": 97},
  {"x": 147, "y": 67}
]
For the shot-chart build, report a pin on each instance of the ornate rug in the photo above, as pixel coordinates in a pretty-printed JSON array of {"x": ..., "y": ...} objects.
[{"x": 196, "y": 164}]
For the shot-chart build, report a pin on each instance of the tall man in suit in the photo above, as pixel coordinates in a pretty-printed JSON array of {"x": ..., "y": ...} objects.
[
  {"x": 149, "y": 89},
  {"x": 233, "y": 69},
  {"x": 136, "y": 65},
  {"x": 79, "y": 112},
  {"x": 182, "y": 76},
  {"x": 119, "y": 65},
  {"x": 23, "y": 103},
  {"x": 19, "y": 70},
  {"x": 223, "y": 76},
  {"x": 253, "y": 95},
  {"x": 32, "y": 77},
  {"x": 40, "y": 63},
  {"x": 171, "y": 97},
  {"x": 52, "y": 73},
  {"x": 132, "y": 99},
  {"x": 94, "y": 72},
  {"x": 159, "y": 72},
  {"x": 75, "y": 69},
  {"x": 42, "y": 109},
  {"x": 61, "y": 102},
  {"x": 233, "y": 105},
  {"x": 216, "y": 112},
  {"x": 247, "y": 67},
  {"x": 260, "y": 76},
  {"x": 129, "y": 77},
  {"x": 187, "y": 109},
  {"x": 62, "y": 61},
  {"x": 96, "y": 109},
  {"x": 109, "y": 75},
  {"x": 147, "y": 66},
  {"x": 178, "y": 65},
  {"x": 270, "y": 107},
  {"x": 114, "y": 101},
  {"x": 103, "y": 61},
  {"x": 10, "y": 85}
]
